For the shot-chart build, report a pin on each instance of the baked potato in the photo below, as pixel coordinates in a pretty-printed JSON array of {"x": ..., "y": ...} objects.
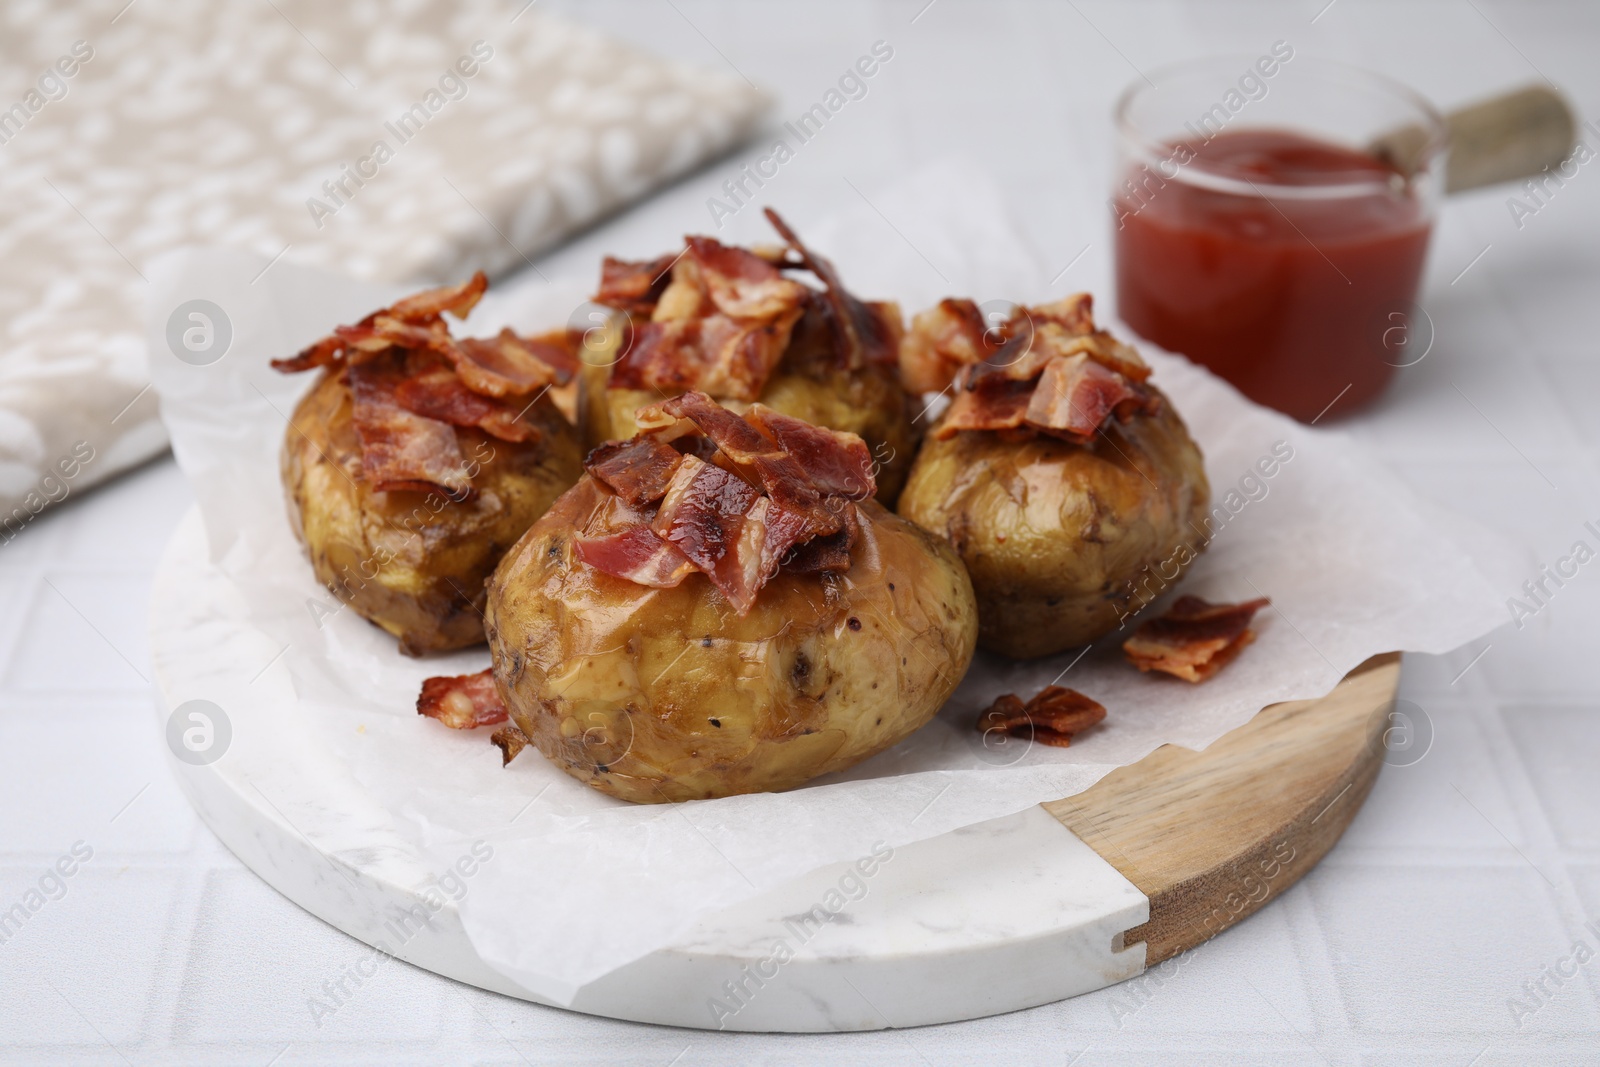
[
  {"x": 415, "y": 562},
  {"x": 821, "y": 356},
  {"x": 679, "y": 691},
  {"x": 1067, "y": 525},
  {"x": 406, "y": 486}
]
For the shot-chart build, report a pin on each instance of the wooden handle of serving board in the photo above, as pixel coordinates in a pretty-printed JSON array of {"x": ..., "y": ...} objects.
[{"x": 1499, "y": 140}]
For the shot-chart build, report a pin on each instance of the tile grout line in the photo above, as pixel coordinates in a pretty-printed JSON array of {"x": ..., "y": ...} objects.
[{"x": 1529, "y": 809}]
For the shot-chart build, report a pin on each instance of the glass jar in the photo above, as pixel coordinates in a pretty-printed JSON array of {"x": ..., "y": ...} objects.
[{"x": 1272, "y": 217}]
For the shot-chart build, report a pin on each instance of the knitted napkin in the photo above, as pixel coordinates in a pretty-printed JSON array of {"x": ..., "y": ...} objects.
[{"x": 390, "y": 142}]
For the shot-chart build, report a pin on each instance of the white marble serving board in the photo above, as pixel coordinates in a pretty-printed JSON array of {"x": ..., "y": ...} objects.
[{"x": 998, "y": 916}]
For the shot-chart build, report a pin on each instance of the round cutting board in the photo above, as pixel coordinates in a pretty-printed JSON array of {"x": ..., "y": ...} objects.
[
  {"x": 1211, "y": 836},
  {"x": 1035, "y": 907}
]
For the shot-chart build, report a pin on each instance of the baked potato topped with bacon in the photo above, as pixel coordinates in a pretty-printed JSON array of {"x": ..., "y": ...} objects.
[
  {"x": 416, "y": 460},
  {"x": 732, "y": 323},
  {"x": 1065, "y": 480},
  {"x": 719, "y": 606}
]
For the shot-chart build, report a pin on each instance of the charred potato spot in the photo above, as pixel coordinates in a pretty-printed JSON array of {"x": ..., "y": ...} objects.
[
  {"x": 415, "y": 563},
  {"x": 800, "y": 671},
  {"x": 1057, "y": 537},
  {"x": 694, "y": 701}
]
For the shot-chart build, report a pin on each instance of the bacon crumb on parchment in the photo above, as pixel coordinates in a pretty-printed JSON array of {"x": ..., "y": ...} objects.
[
  {"x": 463, "y": 701},
  {"x": 467, "y": 701},
  {"x": 1052, "y": 717},
  {"x": 1195, "y": 639}
]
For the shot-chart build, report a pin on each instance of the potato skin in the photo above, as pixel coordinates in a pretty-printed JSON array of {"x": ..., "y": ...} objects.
[
  {"x": 868, "y": 402},
  {"x": 654, "y": 695},
  {"x": 1057, "y": 537},
  {"x": 426, "y": 587}
]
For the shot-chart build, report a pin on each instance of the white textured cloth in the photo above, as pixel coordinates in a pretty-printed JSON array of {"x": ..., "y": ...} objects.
[{"x": 394, "y": 142}]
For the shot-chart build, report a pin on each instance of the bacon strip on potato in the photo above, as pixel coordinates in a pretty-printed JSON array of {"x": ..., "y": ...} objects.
[
  {"x": 1046, "y": 369},
  {"x": 735, "y": 497},
  {"x": 634, "y": 286},
  {"x": 726, "y": 316},
  {"x": 412, "y": 383},
  {"x": 401, "y": 450}
]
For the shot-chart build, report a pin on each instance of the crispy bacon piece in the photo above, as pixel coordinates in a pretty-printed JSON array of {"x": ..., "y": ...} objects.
[
  {"x": 861, "y": 331},
  {"x": 400, "y": 449},
  {"x": 942, "y": 340},
  {"x": 459, "y": 300},
  {"x": 370, "y": 336},
  {"x": 1069, "y": 327},
  {"x": 1021, "y": 357},
  {"x": 661, "y": 355},
  {"x": 1115, "y": 355},
  {"x": 721, "y": 325},
  {"x": 677, "y": 502},
  {"x": 1045, "y": 370},
  {"x": 328, "y": 350},
  {"x": 508, "y": 365},
  {"x": 617, "y": 539},
  {"x": 634, "y": 286},
  {"x": 463, "y": 701},
  {"x": 781, "y": 531},
  {"x": 502, "y": 366},
  {"x": 828, "y": 553},
  {"x": 411, "y": 383},
  {"x": 730, "y": 357},
  {"x": 1073, "y": 313},
  {"x": 728, "y": 315},
  {"x": 638, "y": 469},
  {"x": 1052, "y": 717},
  {"x": 807, "y": 469},
  {"x": 705, "y": 515},
  {"x": 748, "y": 563},
  {"x": 703, "y": 511},
  {"x": 639, "y": 555},
  {"x": 744, "y": 352},
  {"x": 741, "y": 284},
  {"x": 1075, "y": 396},
  {"x": 954, "y": 338},
  {"x": 739, "y": 537},
  {"x": 556, "y": 349},
  {"x": 1194, "y": 639},
  {"x": 435, "y": 392},
  {"x": 727, "y": 429},
  {"x": 1002, "y": 405},
  {"x": 409, "y": 322},
  {"x": 510, "y": 741},
  {"x": 835, "y": 463}
]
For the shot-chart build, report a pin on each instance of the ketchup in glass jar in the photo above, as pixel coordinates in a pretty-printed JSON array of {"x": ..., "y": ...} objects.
[{"x": 1281, "y": 260}]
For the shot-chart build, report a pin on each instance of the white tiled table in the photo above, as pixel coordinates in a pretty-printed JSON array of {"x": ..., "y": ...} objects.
[{"x": 1467, "y": 874}]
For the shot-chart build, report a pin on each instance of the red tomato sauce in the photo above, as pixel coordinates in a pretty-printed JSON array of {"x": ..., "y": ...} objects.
[{"x": 1287, "y": 298}]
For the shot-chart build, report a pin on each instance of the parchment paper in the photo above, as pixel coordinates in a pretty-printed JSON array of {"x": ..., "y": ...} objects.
[{"x": 580, "y": 884}]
